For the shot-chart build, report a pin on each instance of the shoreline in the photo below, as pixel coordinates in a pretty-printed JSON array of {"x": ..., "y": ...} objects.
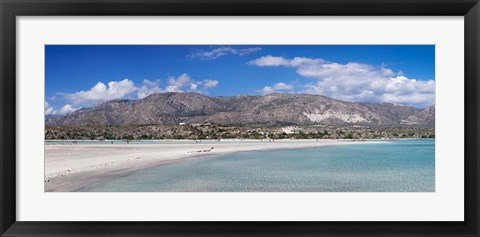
[
  {"x": 69, "y": 167},
  {"x": 223, "y": 140}
]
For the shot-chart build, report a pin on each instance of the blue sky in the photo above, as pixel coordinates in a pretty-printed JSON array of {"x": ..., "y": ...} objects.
[{"x": 84, "y": 75}]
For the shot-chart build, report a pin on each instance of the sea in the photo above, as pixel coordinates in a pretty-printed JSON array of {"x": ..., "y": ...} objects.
[{"x": 395, "y": 166}]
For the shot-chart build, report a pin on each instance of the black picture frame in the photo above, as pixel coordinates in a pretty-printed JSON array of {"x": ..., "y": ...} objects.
[{"x": 10, "y": 9}]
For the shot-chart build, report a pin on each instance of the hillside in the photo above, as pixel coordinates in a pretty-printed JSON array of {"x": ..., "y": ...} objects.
[{"x": 301, "y": 109}]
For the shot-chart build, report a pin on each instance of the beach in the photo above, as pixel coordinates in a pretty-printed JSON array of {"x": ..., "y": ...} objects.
[{"x": 71, "y": 166}]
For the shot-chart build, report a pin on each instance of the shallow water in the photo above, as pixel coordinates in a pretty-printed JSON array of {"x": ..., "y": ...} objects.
[{"x": 397, "y": 166}]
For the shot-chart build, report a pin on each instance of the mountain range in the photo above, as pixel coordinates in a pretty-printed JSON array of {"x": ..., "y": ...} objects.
[{"x": 277, "y": 108}]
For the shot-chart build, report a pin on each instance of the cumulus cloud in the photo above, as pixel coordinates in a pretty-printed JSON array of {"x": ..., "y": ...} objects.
[
  {"x": 209, "y": 83},
  {"x": 126, "y": 89},
  {"x": 148, "y": 88},
  {"x": 177, "y": 84},
  {"x": 66, "y": 109},
  {"x": 356, "y": 81},
  {"x": 185, "y": 83},
  {"x": 49, "y": 110},
  {"x": 222, "y": 51},
  {"x": 277, "y": 87},
  {"x": 101, "y": 92}
]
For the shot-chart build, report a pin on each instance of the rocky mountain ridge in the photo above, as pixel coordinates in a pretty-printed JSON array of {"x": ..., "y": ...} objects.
[{"x": 277, "y": 108}]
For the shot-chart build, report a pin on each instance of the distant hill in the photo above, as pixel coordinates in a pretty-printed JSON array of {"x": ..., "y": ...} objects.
[
  {"x": 51, "y": 118},
  {"x": 300, "y": 109},
  {"x": 426, "y": 118}
]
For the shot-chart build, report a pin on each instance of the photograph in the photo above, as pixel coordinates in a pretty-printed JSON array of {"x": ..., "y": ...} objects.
[{"x": 239, "y": 118}]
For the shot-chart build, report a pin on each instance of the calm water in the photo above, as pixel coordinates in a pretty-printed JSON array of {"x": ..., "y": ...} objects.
[{"x": 399, "y": 166}]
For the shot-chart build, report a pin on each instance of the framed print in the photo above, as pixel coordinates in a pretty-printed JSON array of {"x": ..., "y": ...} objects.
[{"x": 254, "y": 118}]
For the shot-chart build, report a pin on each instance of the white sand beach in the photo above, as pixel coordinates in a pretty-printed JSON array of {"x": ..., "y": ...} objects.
[{"x": 70, "y": 167}]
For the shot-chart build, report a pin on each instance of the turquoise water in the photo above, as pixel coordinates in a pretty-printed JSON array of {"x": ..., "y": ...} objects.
[{"x": 398, "y": 166}]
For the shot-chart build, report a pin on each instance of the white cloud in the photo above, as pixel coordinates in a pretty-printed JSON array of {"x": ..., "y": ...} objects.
[
  {"x": 209, "y": 83},
  {"x": 355, "y": 81},
  {"x": 126, "y": 89},
  {"x": 66, "y": 109},
  {"x": 205, "y": 85},
  {"x": 49, "y": 110},
  {"x": 277, "y": 87},
  {"x": 172, "y": 89},
  {"x": 270, "y": 60},
  {"x": 101, "y": 92},
  {"x": 222, "y": 51},
  {"x": 185, "y": 83},
  {"x": 282, "y": 86},
  {"x": 246, "y": 51},
  {"x": 148, "y": 88},
  {"x": 176, "y": 84}
]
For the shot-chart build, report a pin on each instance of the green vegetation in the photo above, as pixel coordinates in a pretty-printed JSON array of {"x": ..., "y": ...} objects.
[{"x": 215, "y": 131}]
